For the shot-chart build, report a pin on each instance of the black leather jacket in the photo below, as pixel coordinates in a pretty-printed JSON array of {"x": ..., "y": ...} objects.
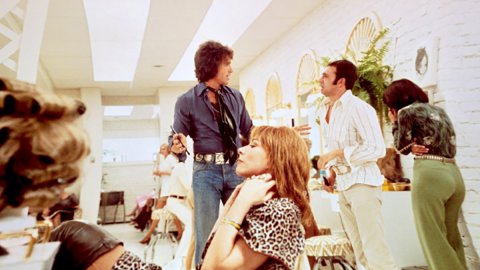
[{"x": 81, "y": 244}]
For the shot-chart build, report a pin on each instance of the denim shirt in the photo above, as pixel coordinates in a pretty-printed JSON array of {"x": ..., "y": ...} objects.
[{"x": 195, "y": 117}]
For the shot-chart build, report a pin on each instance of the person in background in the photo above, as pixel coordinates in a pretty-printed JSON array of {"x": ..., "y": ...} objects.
[
  {"x": 315, "y": 172},
  {"x": 141, "y": 220},
  {"x": 157, "y": 213},
  {"x": 164, "y": 169},
  {"x": 180, "y": 184},
  {"x": 189, "y": 257},
  {"x": 140, "y": 202},
  {"x": 262, "y": 226},
  {"x": 64, "y": 209},
  {"x": 156, "y": 216},
  {"x": 215, "y": 117},
  {"x": 355, "y": 143},
  {"x": 438, "y": 189}
]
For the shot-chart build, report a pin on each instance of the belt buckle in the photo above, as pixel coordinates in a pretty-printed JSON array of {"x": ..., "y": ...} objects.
[
  {"x": 198, "y": 157},
  {"x": 219, "y": 160},
  {"x": 208, "y": 158}
]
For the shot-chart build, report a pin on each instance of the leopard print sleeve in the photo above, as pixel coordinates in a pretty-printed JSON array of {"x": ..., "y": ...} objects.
[{"x": 275, "y": 229}]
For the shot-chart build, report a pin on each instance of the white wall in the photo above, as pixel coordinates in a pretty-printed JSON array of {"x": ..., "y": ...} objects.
[
  {"x": 133, "y": 178},
  {"x": 167, "y": 99},
  {"x": 412, "y": 24}
]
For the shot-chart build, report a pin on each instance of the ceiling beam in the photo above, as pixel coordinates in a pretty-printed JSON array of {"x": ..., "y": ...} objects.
[
  {"x": 33, "y": 27},
  {"x": 7, "y": 6}
]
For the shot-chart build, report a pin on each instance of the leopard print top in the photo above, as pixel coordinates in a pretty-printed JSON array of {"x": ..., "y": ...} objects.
[{"x": 274, "y": 229}]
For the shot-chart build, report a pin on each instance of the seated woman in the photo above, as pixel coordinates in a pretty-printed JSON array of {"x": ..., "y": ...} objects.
[
  {"x": 140, "y": 202},
  {"x": 180, "y": 183},
  {"x": 142, "y": 219},
  {"x": 261, "y": 226},
  {"x": 174, "y": 202},
  {"x": 64, "y": 209},
  {"x": 156, "y": 216},
  {"x": 87, "y": 246}
]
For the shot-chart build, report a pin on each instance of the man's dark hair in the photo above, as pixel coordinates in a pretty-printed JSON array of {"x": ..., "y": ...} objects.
[
  {"x": 314, "y": 161},
  {"x": 345, "y": 69},
  {"x": 403, "y": 92},
  {"x": 208, "y": 58}
]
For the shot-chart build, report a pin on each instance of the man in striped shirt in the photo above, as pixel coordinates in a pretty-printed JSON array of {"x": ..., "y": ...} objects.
[{"x": 355, "y": 143}]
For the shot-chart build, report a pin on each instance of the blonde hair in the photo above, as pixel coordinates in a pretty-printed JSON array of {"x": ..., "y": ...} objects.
[
  {"x": 41, "y": 146},
  {"x": 166, "y": 146},
  {"x": 288, "y": 164}
]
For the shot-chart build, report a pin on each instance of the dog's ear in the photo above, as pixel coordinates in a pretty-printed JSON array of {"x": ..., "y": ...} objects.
[{"x": 390, "y": 165}]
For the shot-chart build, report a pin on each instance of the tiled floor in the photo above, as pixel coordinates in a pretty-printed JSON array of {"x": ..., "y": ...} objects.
[{"x": 131, "y": 237}]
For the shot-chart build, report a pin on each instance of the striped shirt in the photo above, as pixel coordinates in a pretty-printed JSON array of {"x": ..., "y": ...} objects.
[{"x": 353, "y": 127}]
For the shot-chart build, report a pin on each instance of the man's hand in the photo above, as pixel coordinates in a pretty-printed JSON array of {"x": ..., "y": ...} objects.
[
  {"x": 303, "y": 130},
  {"x": 324, "y": 159},
  {"x": 160, "y": 173},
  {"x": 179, "y": 143},
  {"x": 418, "y": 149}
]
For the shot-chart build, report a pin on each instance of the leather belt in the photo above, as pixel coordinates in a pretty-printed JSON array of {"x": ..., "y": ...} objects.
[
  {"x": 177, "y": 197},
  {"x": 437, "y": 158},
  {"x": 217, "y": 158}
]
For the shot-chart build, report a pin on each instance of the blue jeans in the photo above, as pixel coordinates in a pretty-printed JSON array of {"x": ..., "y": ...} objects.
[{"x": 211, "y": 183}]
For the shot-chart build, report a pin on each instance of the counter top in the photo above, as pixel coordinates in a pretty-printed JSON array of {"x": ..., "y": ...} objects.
[{"x": 41, "y": 258}]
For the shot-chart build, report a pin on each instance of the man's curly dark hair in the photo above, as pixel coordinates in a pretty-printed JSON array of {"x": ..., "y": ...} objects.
[{"x": 208, "y": 58}]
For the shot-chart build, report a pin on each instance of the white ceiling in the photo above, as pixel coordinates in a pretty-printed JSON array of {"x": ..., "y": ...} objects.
[{"x": 66, "y": 55}]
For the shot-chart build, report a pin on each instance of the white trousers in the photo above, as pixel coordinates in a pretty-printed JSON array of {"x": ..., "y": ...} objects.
[
  {"x": 184, "y": 213},
  {"x": 360, "y": 209}
]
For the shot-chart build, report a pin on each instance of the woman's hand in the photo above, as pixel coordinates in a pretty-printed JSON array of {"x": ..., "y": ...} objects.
[
  {"x": 331, "y": 182},
  {"x": 145, "y": 240},
  {"x": 392, "y": 114},
  {"x": 257, "y": 190}
]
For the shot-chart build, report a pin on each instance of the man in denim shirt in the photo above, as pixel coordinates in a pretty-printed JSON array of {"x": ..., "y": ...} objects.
[{"x": 214, "y": 116}]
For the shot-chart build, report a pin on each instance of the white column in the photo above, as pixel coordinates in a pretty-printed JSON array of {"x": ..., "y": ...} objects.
[
  {"x": 92, "y": 170},
  {"x": 167, "y": 99}
]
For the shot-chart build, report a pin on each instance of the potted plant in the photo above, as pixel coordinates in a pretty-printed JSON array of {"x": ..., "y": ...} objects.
[{"x": 373, "y": 75}]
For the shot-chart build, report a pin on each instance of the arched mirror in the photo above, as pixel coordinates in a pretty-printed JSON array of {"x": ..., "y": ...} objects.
[
  {"x": 308, "y": 96},
  {"x": 361, "y": 37},
  {"x": 274, "y": 101},
  {"x": 252, "y": 108},
  {"x": 306, "y": 85},
  {"x": 250, "y": 102}
]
